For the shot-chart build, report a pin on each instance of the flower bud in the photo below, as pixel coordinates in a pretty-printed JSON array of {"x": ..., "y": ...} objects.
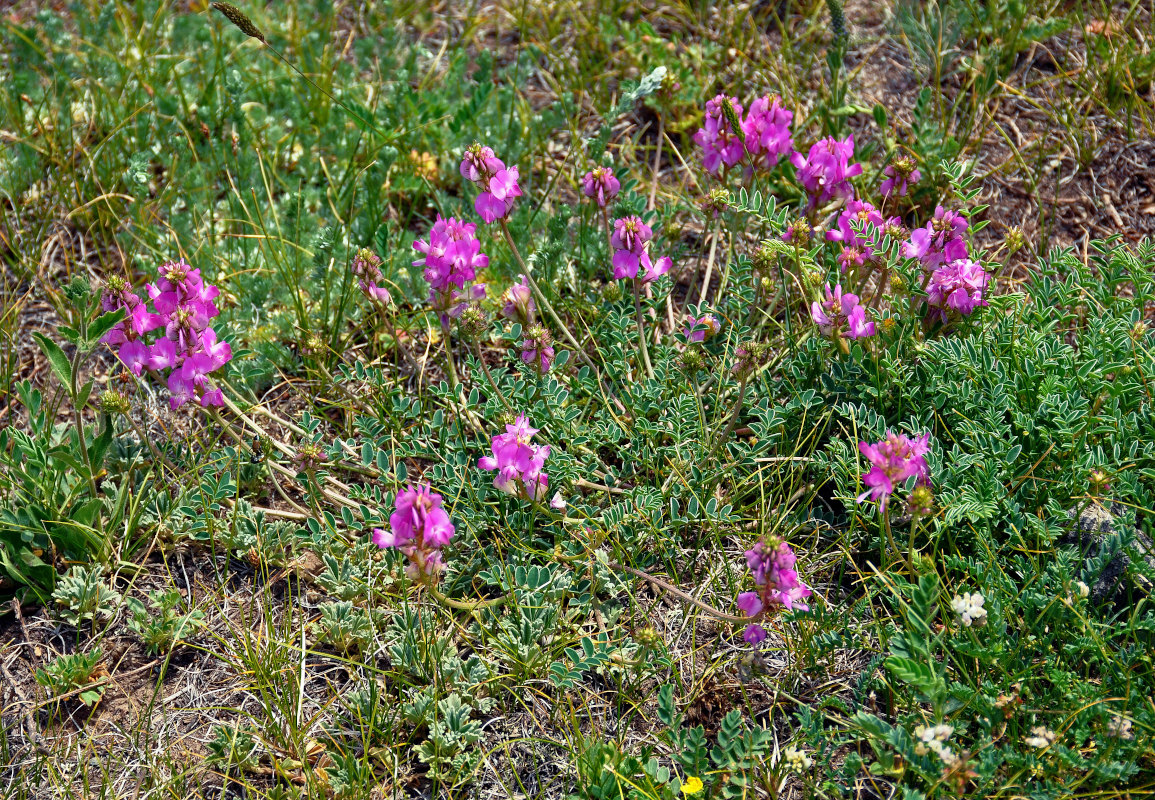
[
  {"x": 473, "y": 322},
  {"x": 717, "y": 201},
  {"x": 1015, "y": 240},
  {"x": 612, "y": 292},
  {"x": 113, "y": 402}
]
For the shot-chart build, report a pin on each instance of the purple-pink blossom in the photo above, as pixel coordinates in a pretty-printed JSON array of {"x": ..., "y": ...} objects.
[
  {"x": 419, "y": 528},
  {"x": 892, "y": 461},
  {"x": 772, "y": 563},
  {"x": 900, "y": 175},
  {"x": 366, "y": 267},
  {"x": 517, "y": 302},
  {"x": 631, "y": 258},
  {"x": 825, "y": 172},
  {"x": 957, "y": 286},
  {"x": 940, "y": 241},
  {"x": 188, "y": 348},
  {"x": 499, "y": 184},
  {"x": 537, "y": 348},
  {"x": 600, "y": 184},
  {"x": 518, "y": 461},
  {"x": 767, "y": 130},
  {"x": 720, "y": 144},
  {"x": 841, "y": 309},
  {"x": 707, "y": 325},
  {"x": 452, "y": 258},
  {"x": 857, "y": 248}
]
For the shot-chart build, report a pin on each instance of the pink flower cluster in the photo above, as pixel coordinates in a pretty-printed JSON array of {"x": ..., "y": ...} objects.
[
  {"x": 956, "y": 283},
  {"x": 419, "y": 528},
  {"x": 940, "y": 241},
  {"x": 772, "y": 563},
  {"x": 838, "y": 310},
  {"x": 957, "y": 286},
  {"x": 189, "y": 348},
  {"x": 825, "y": 172},
  {"x": 767, "y": 130},
  {"x": 519, "y": 463},
  {"x": 712, "y": 327},
  {"x": 892, "y": 461},
  {"x": 630, "y": 257},
  {"x": 367, "y": 267},
  {"x": 858, "y": 248},
  {"x": 720, "y": 144},
  {"x": 601, "y": 184},
  {"x": 499, "y": 184},
  {"x": 452, "y": 257}
]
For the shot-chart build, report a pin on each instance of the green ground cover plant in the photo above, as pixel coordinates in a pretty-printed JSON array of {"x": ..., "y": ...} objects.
[{"x": 577, "y": 400}]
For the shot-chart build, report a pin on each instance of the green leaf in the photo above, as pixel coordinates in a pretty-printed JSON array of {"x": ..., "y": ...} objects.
[
  {"x": 102, "y": 325},
  {"x": 60, "y": 363}
]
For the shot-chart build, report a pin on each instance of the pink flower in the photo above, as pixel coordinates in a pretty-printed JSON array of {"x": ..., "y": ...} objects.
[
  {"x": 601, "y": 184},
  {"x": 899, "y": 175},
  {"x": 825, "y": 172},
  {"x": 630, "y": 257},
  {"x": 754, "y": 634},
  {"x": 958, "y": 286},
  {"x": 652, "y": 270},
  {"x": 771, "y": 561},
  {"x": 134, "y": 355},
  {"x": 189, "y": 349},
  {"x": 857, "y": 326},
  {"x": 630, "y": 234},
  {"x": 518, "y": 461},
  {"x": 479, "y": 164},
  {"x": 709, "y": 324},
  {"x": 720, "y": 144},
  {"x": 537, "y": 349},
  {"x": 893, "y": 460},
  {"x": 941, "y": 241},
  {"x": 840, "y": 309},
  {"x": 498, "y": 201},
  {"x": 767, "y": 130},
  {"x": 163, "y": 355},
  {"x": 518, "y": 301},
  {"x": 857, "y": 248},
  {"x": 419, "y": 528},
  {"x": 750, "y": 604}
]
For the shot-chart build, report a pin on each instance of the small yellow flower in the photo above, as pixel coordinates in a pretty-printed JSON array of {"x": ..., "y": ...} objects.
[{"x": 692, "y": 785}]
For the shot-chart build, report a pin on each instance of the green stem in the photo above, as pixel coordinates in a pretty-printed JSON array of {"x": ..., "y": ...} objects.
[
  {"x": 642, "y": 347},
  {"x": 541, "y": 298}
]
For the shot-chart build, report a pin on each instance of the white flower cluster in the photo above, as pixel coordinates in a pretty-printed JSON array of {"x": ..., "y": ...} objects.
[
  {"x": 970, "y": 609},
  {"x": 1120, "y": 728},
  {"x": 796, "y": 761},
  {"x": 932, "y": 739},
  {"x": 1040, "y": 737}
]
